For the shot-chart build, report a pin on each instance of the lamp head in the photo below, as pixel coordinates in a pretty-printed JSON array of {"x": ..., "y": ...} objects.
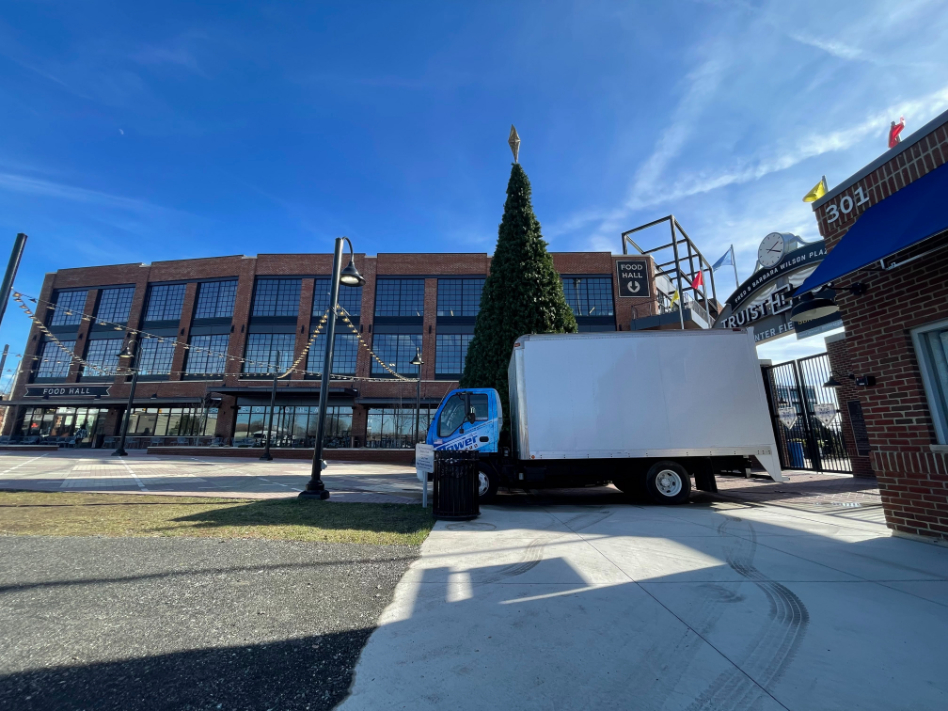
[
  {"x": 127, "y": 351},
  {"x": 417, "y": 359},
  {"x": 350, "y": 275}
]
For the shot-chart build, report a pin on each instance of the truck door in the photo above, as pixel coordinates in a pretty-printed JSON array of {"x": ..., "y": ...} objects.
[{"x": 455, "y": 429}]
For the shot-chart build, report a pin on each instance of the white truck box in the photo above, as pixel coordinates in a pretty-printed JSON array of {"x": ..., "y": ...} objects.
[{"x": 640, "y": 394}]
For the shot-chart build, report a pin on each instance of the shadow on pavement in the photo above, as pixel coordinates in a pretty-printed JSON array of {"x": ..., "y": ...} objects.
[
  {"x": 377, "y": 518},
  {"x": 311, "y": 673}
]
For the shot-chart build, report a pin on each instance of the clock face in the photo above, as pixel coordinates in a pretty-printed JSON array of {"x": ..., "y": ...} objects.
[{"x": 770, "y": 250}]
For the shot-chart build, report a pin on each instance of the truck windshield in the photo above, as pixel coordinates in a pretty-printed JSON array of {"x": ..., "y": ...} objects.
[
  {"x": 451, "y": 416},
  {"x": 455, "y": 412}
]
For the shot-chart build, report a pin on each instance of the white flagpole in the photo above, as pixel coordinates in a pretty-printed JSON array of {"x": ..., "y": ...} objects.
[{"x": 734, "y": 264}]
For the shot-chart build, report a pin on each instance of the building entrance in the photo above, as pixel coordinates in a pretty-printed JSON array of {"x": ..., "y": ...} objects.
[{"x": 805, "y": 414}]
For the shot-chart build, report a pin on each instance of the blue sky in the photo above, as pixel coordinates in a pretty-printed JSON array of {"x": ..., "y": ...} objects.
[{"x": 139, "y": 132}]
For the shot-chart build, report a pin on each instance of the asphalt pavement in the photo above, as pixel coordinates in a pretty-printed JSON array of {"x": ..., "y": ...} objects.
[{"x": 186, "y": 624}]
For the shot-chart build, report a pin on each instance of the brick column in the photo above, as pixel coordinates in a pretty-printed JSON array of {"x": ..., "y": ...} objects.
[
  {"x": 179, "y": 359},
  {"x": 430, "y": 329},
  {"x": 303, "y": 325},
  {"x": 242, "y": 309},
  {"x": 840, "y": 363},
  {"x": 366, "y": 267},
  {"x": 82, "y": 337}
]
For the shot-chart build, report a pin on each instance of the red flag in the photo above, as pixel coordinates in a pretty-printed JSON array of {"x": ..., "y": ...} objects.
[{"x": 698, "y": 281}]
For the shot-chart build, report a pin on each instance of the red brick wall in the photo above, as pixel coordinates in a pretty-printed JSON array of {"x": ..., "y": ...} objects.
[
  {"x": 847, "y": 391},
  {"x": 911, "y": 468}
]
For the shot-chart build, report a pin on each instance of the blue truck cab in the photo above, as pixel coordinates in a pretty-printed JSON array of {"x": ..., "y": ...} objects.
[{"x": 469, "y": 418}]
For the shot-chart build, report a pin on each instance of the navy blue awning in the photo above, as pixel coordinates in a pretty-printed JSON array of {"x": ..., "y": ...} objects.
[{"x": 916, "y": 212}]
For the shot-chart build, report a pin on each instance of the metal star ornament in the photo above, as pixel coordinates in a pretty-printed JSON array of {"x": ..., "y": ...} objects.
[{"x": 514, "y": 142}]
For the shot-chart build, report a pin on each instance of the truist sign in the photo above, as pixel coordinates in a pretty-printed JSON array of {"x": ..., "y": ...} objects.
[
  {"x": 63, "y": 391},
  {"x": 763, "y": 302}
]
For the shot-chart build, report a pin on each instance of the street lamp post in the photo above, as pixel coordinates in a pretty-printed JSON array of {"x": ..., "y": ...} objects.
[
  {"x": 266, "y": 456},
  {"x": 315, "y": 488},
  {"x": 127, "y": 352},
  {"x": 418, "y": 362}
]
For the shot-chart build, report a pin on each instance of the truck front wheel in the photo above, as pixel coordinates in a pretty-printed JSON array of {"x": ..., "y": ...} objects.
[
  {"x": 487, "y": 482},
  {"x": 667, "y": 482}
]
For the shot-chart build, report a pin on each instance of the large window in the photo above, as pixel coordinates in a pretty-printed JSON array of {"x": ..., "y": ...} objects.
[
  {"x": 394, "y": 427},
  {"x": 54, "y": 361},
  {"x": 345, "y": 351},
  {"x": 262, "y": 349},
  {"x": 350, "y": 297},
  {"x": 459, "y": 297},
  {"x": 277, "y": 297},
  {"x": 172, "y": 421},
  {"x": 589, "y": 296},
  {"x": 68, "y": 311},
  {"x": 156, "y": 357},
  {"x": 450, "y": 352},
  {"x": 208, "y": 354},
  {"x": 115, "y": 304},
  {"x": 396, "y": 350},
  {"x": 400, "y": 297},
  {"x": 79, "y": 424},
  {"x": 164, "y": 302},
  {"x": 931, "y": 345},
  {"x": 103, "y": 353},
  {"x": 216, "y": 299},
  {"x": 293, "y": 426}
]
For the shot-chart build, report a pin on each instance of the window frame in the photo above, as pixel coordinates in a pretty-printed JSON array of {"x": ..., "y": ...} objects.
[
  {"x": 938, "y": 408},
  {"x": 59, "y": 308},
  {"x": 152, "y": 288}
]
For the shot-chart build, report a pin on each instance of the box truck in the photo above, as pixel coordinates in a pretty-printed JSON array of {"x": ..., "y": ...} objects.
[{"x": 646, "y": 410}]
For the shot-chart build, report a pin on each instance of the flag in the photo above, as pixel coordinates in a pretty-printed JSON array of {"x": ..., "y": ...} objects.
[
  {"x": 674, "y": 297},
  {"x": 698, "y": 280},
  {"x": 726, "y": 259},
  {"x": 818, "y": 191}
]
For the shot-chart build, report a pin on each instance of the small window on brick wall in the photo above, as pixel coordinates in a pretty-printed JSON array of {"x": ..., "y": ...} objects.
[{"x": 931, "y": 346}]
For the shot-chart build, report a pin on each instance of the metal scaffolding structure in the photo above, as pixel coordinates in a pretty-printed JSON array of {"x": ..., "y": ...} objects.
[{"x": 681, "y": 269}]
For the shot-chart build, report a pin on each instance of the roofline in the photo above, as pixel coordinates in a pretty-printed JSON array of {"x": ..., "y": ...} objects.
[{"x": 907, "y": 143}]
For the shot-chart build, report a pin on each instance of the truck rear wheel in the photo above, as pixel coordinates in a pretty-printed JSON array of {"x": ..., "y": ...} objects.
[
  {"x": 487, "y": 482},
  {"x": 668, "y": 482}
]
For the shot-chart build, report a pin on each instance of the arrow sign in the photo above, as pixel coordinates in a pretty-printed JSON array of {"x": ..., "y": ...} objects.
[{"x": 633, "y": 277}]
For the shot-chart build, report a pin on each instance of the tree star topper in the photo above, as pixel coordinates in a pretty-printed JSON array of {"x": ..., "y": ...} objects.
[{"x": 514, "y": 142}]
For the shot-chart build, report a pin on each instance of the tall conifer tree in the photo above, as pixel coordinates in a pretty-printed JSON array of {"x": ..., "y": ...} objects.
[{"x": 523, "y": 294}]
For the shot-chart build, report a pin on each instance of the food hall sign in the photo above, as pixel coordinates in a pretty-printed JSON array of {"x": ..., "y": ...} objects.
[
  {"x": 67, "y": 391},
  {"x": 633, "y": 277}
]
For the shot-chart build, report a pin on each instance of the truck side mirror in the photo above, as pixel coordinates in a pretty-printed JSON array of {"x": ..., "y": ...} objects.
[{"x": 471, "y": 415}]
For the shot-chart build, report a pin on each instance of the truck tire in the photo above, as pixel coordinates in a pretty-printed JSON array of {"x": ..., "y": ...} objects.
[
  {"x": 487, "y": 482},
  {"x": 668, "y": 482}
]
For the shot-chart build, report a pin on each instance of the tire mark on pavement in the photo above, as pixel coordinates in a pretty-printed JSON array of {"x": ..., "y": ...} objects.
[
  {"x": 532, "y": 555},
  {"x": 775, "y": 644}
]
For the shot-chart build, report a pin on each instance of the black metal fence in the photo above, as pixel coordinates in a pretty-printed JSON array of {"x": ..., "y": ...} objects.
[{"x": 806, "y": 416}]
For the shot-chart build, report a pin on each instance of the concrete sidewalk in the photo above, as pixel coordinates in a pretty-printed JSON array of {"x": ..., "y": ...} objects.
[{"x": 703, "y": 606}]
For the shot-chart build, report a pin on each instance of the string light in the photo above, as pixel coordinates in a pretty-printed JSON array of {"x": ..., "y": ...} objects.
[{"x": 339, "y": 311}]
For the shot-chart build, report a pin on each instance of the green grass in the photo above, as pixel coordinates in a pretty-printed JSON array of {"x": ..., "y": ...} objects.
[{"x": 62, "y": 514}]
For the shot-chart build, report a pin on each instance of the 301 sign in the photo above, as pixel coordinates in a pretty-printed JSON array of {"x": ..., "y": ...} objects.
[{"x": 846, "y": 205}]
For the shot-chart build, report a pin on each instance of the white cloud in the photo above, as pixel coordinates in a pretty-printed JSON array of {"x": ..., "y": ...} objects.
[{"x": 26, "y": 185}]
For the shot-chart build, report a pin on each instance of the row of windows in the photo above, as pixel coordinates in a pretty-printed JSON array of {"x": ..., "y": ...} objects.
[
  {"x": 207, "y": 354},
  {"x": 587, "y": 296}
]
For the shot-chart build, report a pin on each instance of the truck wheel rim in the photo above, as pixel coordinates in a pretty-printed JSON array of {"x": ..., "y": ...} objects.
[
  {"x": 668, "y": 482},
  {"x": 483, "y": 483}
]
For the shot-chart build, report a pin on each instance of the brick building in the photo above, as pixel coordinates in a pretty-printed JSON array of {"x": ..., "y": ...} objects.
[
  {"x": 885, "y": 230},
  {"x": 216, "y": 328}
]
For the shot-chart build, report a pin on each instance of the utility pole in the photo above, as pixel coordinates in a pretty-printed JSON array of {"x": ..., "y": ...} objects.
[{"x": 12, "y": 266}]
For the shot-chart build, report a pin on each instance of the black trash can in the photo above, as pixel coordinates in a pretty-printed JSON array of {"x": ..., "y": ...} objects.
[{"x": 455, "y": 486}]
